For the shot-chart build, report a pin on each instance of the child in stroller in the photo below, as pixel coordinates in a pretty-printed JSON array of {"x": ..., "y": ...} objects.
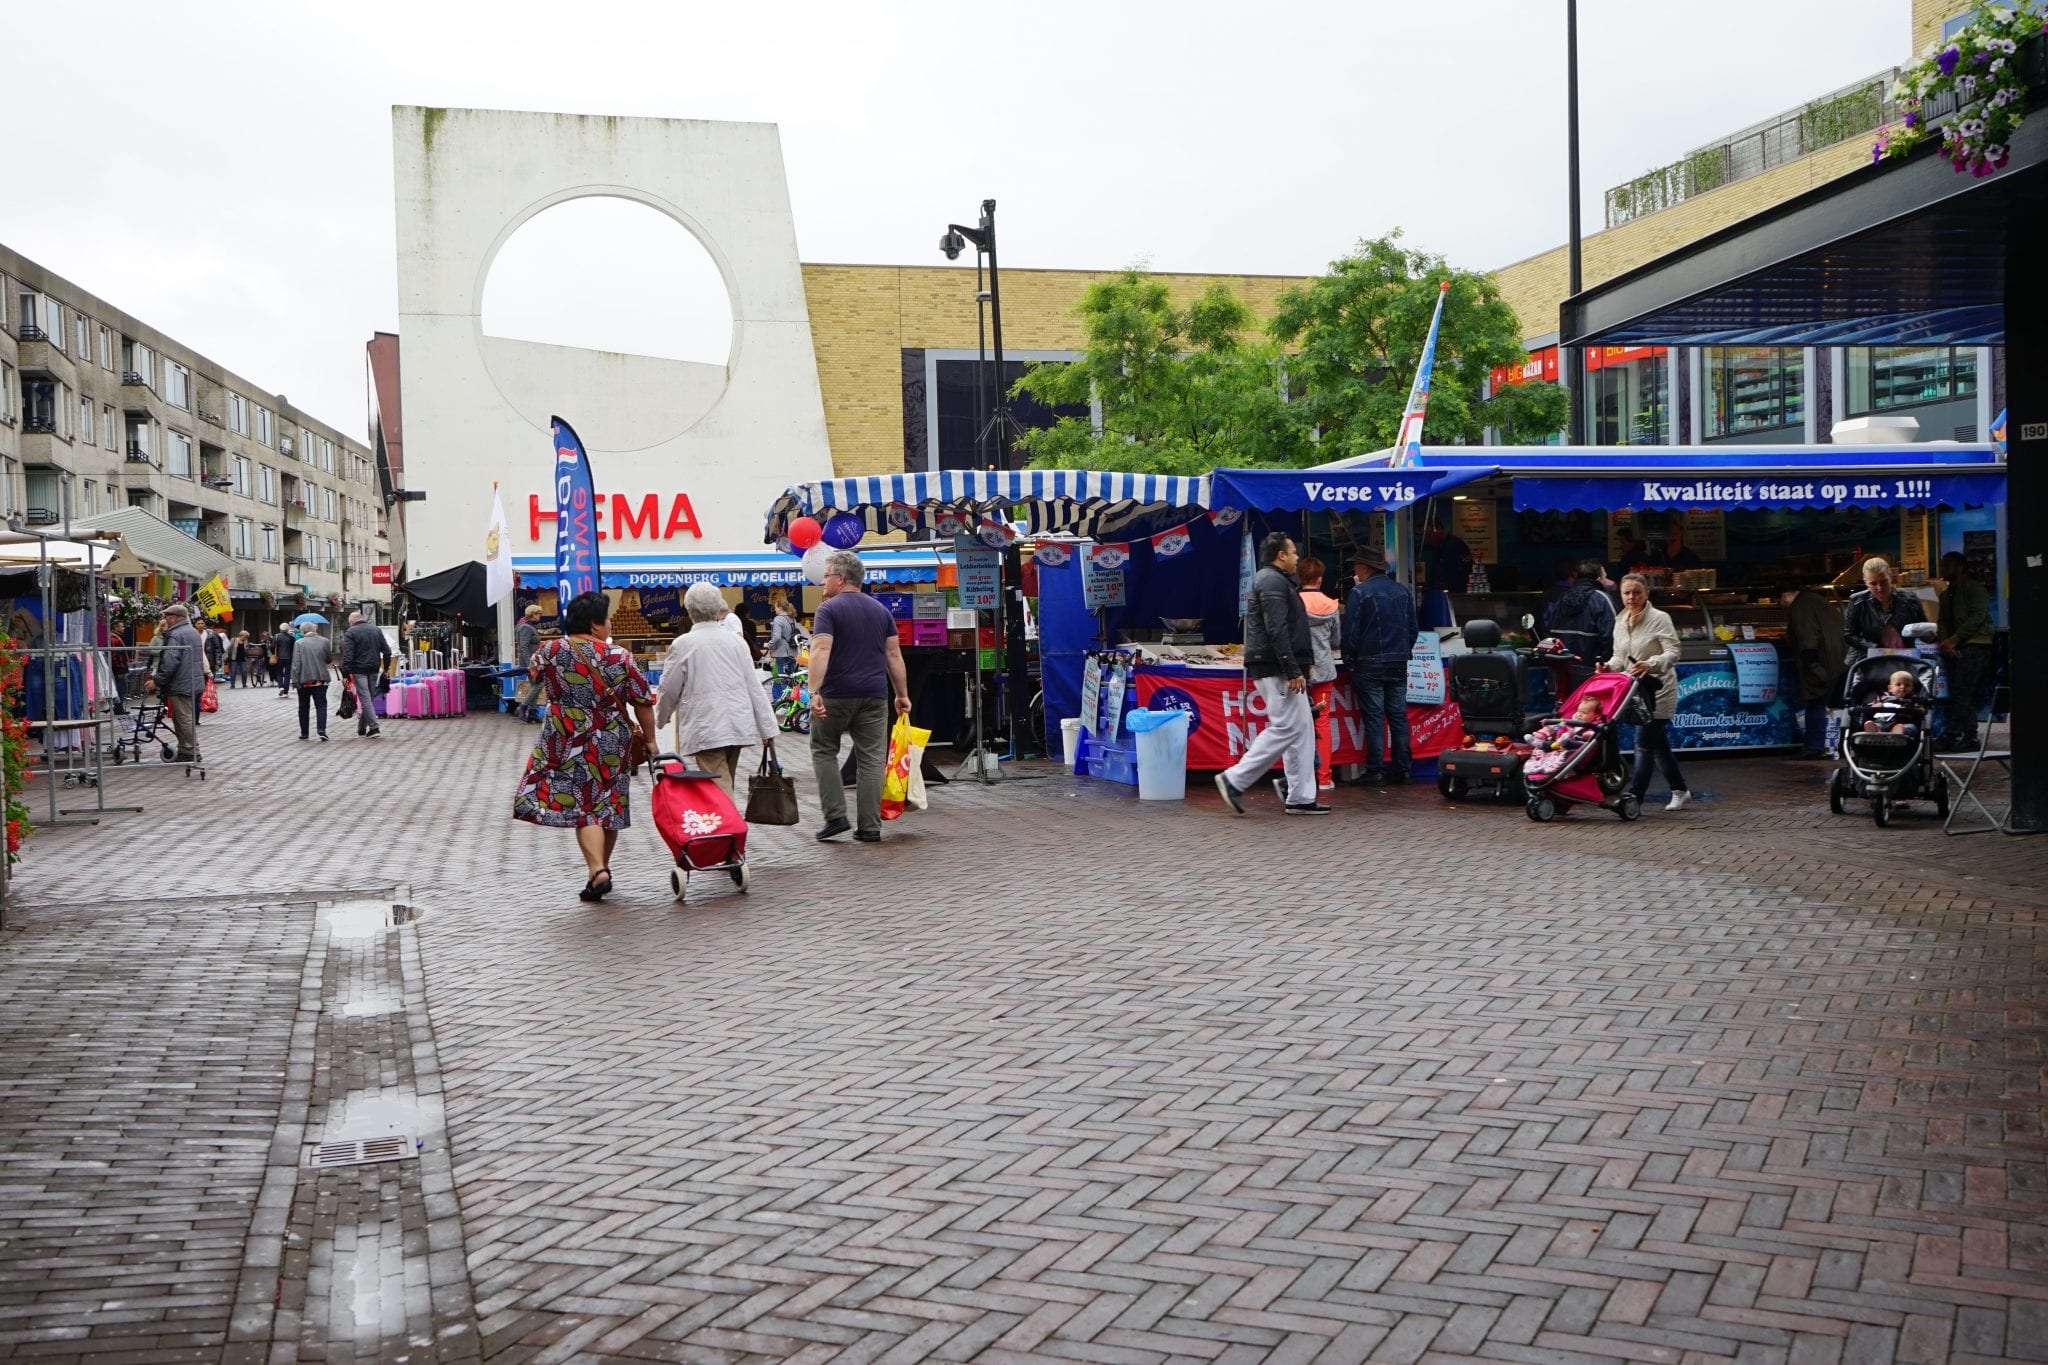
[
  {"x": 1592, "y": 771},
  {"x": 1553, "y": 743},
  {"x": 1895, "y": 712},
  {"x": 1886, "y": 753}
]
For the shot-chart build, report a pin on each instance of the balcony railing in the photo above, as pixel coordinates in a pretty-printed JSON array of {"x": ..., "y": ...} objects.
[
  {"x": 139, "y": 454},
  {"x": 1812, "y": 127},
  {"x": 221, "y": 481},
  {"x": 28, "y": 331},
  {"x": 134, "y": 377},
  {"x": 45, "y": 425}
]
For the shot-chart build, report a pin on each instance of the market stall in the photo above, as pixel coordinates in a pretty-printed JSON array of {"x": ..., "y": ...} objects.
[{"x": 1717, "y": 531}]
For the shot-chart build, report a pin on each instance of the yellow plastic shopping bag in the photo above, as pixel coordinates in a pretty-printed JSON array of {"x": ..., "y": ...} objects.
[{"x": 906, "y": 750}]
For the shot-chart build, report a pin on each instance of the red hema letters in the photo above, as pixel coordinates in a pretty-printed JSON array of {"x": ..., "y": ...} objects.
[{"x": 627, "y": 522}]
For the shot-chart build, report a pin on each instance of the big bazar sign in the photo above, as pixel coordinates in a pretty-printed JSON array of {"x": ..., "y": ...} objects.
[{"x": 621, "y": 517}]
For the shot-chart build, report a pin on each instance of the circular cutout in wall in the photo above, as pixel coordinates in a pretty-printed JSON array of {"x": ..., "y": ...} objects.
[{"x": 609, "y": 274}]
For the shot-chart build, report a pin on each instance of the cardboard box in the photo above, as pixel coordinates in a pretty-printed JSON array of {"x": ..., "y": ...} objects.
[{"x": 928, "y": 634}]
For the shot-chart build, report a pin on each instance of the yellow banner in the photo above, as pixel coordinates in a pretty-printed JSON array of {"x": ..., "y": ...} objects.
[{"x": 213, "y": 597}]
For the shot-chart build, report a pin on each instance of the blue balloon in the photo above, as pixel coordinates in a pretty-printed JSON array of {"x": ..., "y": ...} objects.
[{"x": 844, "y": 531}]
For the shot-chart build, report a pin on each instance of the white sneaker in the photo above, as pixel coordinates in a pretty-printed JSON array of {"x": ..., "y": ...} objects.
[{"x": 1679, "y": 800}]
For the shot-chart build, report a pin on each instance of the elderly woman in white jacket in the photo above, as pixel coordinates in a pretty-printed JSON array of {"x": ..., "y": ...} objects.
[
  {"x": 1646, "y": 646},
  {"x": 709, "y": 685}
]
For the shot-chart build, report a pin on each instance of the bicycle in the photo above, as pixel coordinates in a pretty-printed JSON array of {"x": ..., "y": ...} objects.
[{"x": 793, "y": 707}]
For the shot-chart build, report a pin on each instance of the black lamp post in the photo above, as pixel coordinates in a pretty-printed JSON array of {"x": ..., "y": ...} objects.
[
  {"x": 983, "y": 237},
  {"x": 1575, "y": 362}
]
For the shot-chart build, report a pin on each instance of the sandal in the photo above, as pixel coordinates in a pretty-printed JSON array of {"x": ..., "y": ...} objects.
[{"x": 592, "y": 891}]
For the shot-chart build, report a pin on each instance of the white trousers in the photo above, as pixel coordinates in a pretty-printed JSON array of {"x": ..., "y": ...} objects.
[{"x": 1289, "y": 736}]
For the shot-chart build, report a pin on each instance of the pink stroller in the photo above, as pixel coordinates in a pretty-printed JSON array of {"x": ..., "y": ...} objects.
[
  {"x": 1592, "y": 774},
  {"x": 696, "y": 819}
]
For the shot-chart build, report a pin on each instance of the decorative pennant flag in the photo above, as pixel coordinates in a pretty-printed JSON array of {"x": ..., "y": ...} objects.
[
  {"x": 1052, "y": 553},
  {"x": 900, "y": 516},
  {"x": 1408, "y": 445},
  {"x": 994, "y": 533},
  {"x": 497, "y": 552},
  {"x": 948, "y": 523},
  {"x": 1169, "y": 543},
  {"x": 1224, "y": 516},
  {"x": 212, "y": 597},
  {"x": 576, "y": 562}
]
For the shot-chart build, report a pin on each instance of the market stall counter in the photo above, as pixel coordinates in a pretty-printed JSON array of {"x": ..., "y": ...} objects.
[{"x": 1224, "y": 712}]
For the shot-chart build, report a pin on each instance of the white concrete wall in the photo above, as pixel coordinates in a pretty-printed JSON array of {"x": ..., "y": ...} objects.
[{"x": 477, "y": 408}]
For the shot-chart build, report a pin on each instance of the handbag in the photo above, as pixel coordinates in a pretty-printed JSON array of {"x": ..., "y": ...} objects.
[
  {"x": 347, "y": 709},
  {"x": 771, "y": 793},
  {"x": 209, "y": 699},
  {"x": 1642, "y": 703}
]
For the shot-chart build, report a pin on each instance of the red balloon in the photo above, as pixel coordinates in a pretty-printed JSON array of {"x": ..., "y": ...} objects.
[{"x": 804, "y": 532}]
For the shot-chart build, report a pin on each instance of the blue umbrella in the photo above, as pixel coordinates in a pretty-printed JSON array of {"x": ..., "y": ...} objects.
[{"x": 309, "y": 618}]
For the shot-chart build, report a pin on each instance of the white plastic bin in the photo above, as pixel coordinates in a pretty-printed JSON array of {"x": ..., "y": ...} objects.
[
  {"x": 1070, "y": 736},
  {"x": 1163, "y": 761}
]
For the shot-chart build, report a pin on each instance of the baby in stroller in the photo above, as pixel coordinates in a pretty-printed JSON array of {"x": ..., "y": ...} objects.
[
  {"x": 1897, "y": 711},
  {"x": 1554, "y": 743},
  {"x": 1886, "y": 752}
]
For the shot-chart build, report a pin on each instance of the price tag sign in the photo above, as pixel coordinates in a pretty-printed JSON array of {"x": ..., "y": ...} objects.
[
  {"x": 1102, "y": 575},
  {"x": 981, "y": 575},
  {"x": 1426, "y": 670}
]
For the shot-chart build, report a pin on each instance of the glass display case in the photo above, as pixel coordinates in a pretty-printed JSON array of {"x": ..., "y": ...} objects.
[
  {"x": 1695, "y": 629},
  {"x": 1737, "y": 618}
]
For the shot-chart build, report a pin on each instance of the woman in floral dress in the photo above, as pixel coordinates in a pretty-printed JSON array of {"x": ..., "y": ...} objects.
[{"x": 597, "y": 699}]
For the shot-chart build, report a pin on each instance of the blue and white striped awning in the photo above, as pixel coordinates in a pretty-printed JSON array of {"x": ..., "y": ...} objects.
[{"x": 1077, "y": 502}]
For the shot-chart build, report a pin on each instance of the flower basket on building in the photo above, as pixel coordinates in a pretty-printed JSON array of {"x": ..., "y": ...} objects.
[{"x": 1973, "y": 87}]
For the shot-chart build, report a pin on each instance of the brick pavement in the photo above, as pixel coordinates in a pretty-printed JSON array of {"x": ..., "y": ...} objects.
[{"x": 1053, "y": 1075}]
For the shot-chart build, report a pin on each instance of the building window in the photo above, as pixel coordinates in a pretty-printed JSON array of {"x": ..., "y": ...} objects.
[
  {"x": 39, "y": 407},
  {"x": 1755, "y": 388},
  {"x": 263, "y": 425},
  {"x": 1632, "y": 400},
  {"x": 138, "y": 438},
  {"x": 266, "y": 483},
  {"x": 327, "y": 494},
  {"x": 85, "y": 421},
  {"x": 238, "y": 414},
  {"x": 1882, "y": 377},
  {"x": 270, "y": 543},
  {"x": 178, "y": 454},
  {"x": 137, "y": 359},
  {"x": 106, "y": 349},
  {"x": 6, "y": 393},
  {"x": 82, "y": 331},
  {"x": 245, "y": 538},
  {"x": 177, "y": 385},
  {"x": 113, "y": 499},
  {"x": 109, "y": 427},
  {"x": 241, "y": 476},
  {"x": 326, "y": 455}
]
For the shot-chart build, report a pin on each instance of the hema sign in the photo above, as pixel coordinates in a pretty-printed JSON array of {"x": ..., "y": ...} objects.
[{"x": 714, "y": 441}]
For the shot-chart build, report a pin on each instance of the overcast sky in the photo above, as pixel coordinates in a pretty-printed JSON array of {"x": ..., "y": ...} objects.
[{"x": 223, "y": 170}]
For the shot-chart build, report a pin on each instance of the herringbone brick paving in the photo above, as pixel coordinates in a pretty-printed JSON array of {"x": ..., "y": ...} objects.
[{"x": 1049, "y": 1074}]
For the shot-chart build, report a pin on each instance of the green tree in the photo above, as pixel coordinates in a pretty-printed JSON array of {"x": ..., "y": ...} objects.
[
  {"x": 1181, "y": 389},
  {"x": 1355, "y": 335}
]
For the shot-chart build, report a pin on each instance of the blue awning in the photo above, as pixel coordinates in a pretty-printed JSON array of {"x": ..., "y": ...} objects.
[
  {"x": 1335, "y": 490},
  {"x": 757, "y": 569},
  {"x": 1049, "y": 501},
  {"x": 1757, "y": 488}
]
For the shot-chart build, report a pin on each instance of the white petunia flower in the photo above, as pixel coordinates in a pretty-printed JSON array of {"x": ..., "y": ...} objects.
[{"x": 1971, "y": 127}]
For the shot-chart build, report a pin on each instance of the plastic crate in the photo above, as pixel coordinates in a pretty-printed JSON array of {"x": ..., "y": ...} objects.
[{"x": 1113, "y": 762}]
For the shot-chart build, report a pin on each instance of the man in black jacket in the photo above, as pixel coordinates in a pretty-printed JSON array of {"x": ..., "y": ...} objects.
[
  {"x": 281, "y": 660},
  {"x": 1277, "y": 652},
  {"x": 364, "y": 652}
]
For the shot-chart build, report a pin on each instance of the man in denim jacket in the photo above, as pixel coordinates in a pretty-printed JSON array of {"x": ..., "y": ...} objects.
[{"x": 1379, "y": 635}]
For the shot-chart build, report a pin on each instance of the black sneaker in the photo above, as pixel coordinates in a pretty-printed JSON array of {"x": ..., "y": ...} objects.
[
  {"x": 868, "y": 836},
  {"x": 1398, "y": 778},
  {"x": 1318, "y": 808},
  {"x": 833, "y": 829},
  {"x": 1231, "y": 796},
  {"x": 1371, "y": 779}
]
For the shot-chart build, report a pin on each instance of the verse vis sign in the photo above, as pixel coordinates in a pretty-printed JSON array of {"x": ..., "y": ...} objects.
[
  {"x": 629, "y": 520},
  {"x": 1393, "y": 494}
]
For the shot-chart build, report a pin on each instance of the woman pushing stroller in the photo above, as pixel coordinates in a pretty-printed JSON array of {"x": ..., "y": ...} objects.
[{"x": 1646, "y": 648}]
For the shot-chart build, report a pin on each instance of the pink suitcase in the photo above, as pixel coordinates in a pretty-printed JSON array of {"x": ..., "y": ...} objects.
[{"x": 458, "y": 686}]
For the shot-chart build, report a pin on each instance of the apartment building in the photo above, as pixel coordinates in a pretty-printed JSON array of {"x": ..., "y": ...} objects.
[{"x": 101, "y": 412}]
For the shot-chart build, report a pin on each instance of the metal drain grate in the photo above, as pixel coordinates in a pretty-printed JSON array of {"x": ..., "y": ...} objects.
[{"x": 362, "y": 1153}]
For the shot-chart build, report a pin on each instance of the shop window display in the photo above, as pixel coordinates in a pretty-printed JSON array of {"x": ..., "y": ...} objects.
[
  {"x": 1754, "y": 388},
  {"x": 1632, "y": 403},
  {"x": 1883, "y": 377}
]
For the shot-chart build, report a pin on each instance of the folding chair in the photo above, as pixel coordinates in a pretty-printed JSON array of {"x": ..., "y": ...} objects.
[{"x": 1965, "y": 782}]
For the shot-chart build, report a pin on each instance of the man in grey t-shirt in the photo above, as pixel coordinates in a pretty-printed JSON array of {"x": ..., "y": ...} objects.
[{"x": 855, "y": 661}]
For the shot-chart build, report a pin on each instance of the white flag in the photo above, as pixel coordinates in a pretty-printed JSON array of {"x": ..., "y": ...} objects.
[{"x": 497, "y": 553}]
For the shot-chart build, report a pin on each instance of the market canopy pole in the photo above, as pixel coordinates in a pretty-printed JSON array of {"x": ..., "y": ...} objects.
[{"x": 1574, "y": 360}]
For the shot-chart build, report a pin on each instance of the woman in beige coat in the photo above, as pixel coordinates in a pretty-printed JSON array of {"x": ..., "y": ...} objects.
[{"x": 1646, "y": 646}]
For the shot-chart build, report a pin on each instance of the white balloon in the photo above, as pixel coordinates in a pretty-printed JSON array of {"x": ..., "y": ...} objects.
[{"x": 814, "y": 562}]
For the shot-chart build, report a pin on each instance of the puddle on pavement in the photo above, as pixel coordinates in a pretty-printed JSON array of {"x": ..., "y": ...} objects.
[{"x": 367, "y": 918}]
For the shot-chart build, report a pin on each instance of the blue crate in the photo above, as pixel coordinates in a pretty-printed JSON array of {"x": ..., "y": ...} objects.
[{"x": 1113, "y": 762}]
